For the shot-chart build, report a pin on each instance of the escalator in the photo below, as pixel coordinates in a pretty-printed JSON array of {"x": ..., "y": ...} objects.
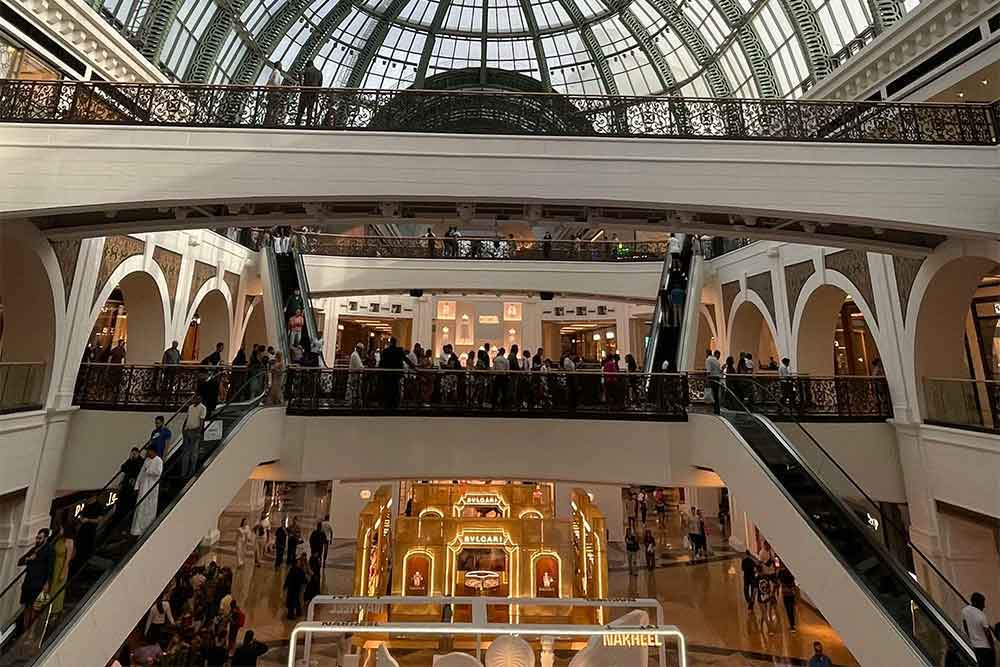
[
  {"x": 125, "y": 571},
  {"x": 287, "y": 274},
  {"x": 670, "y": 336},
  {"x": 852, "y": 528}
]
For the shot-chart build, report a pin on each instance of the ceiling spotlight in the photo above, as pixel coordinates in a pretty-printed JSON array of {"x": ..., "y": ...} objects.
[
  {"x": 985, "y": 82},
  {"x": 961, "y": 94}
]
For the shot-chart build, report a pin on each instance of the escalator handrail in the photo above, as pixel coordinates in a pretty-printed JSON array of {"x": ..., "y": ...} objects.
[
  {"x": 271, "y": 257},
  {"x": 909, "y": 583},
  {"x": 899, "y": 530},
  {"x": 310, "y": 314},
  {"x": 141, "y": 539},
  {"x": 111, "y": 482}
]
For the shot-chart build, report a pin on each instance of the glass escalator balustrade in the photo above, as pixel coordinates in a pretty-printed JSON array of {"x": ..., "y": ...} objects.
[
  {"x": 855, "y": 530},
  {"x": 25, "y": 640}
]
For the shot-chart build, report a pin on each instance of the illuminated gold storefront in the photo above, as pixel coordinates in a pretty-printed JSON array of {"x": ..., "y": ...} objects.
[{"x": 496, "y": 540}]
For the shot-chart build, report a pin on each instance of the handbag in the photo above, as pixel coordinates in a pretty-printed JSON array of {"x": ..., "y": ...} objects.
[{"x": 42, "y": 600}]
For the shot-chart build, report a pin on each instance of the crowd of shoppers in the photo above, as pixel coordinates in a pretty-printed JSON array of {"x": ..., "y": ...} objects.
[{"x": 195, "y": 622}]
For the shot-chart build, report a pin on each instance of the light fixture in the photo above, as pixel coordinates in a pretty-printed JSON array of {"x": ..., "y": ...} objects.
[
  {"x": 365, "y": 494},
  {"x": 985, "y": 82},
  {"x": 597, "y": 336},
  {"x": 444, "y": 329},
  {"x": 371, "y": 334},
  {"x": 610, "y": 335},
  {"x": 340, "y": 327},
  {"x": 196, "y": 320},
  {"x": 511, "y": 331},
  {"x": 961, "y": 94}
]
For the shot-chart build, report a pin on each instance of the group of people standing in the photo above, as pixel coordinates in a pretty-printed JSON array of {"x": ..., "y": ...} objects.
[{"x": 304, "y": 577}]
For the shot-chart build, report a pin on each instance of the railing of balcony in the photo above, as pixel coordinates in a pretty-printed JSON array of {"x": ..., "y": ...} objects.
[
  {"x": 807, "y": 397},
  {"x": 612, "y": 250},
  {"x": 21, "y": 386},
  {"x": 187, "y": 105},
  {"x": 961, "y": 403},
  {"x": 716, "y": 246},
  {"x": 155, "y": 387},
  {"x": 584, "y": 394}
]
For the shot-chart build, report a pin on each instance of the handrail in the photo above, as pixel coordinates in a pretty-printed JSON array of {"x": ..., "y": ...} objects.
[
  {"x": 538, "y": 113},
  {"x": 111, "y": 482},
  {"x": 917, "y": 591},
  {"x": 963, "y": 380},
  {"x": 901, "y": 532},
  {"x": 161, "y": 512},
  {"x": 22, "y": 363}
]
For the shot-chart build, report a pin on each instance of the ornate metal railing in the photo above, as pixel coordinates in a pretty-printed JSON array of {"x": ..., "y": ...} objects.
[
  {"x": 717, "y": 246},
  {"x": 483, "y": 248},
  {"x": 21, "y": 386},
  {"x": 153, "y": 387},
  {"x": 187, "y": 105},
  {"x": 962, "y": 403},
  {"x": 590, "y": 395},
  {"x": 805, "y": 397}
]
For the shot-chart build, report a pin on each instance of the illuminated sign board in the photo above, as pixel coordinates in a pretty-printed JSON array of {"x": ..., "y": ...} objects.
[
  {"x": 482, "y": 500},
  {"x": 631, "y": 639},
  {"x": 483, "y": 538}
]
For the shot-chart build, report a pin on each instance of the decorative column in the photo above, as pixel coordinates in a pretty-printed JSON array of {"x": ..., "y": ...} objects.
[
  {"x": 423, "y": 321},
  {"x": 331, "y": 334},
  {"x": 547, "y": 656},
  {"x": 531, "y": 325}
]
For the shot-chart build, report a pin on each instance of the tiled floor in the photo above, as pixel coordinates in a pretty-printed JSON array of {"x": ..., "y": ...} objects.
[{"x": 704, "y": 599}]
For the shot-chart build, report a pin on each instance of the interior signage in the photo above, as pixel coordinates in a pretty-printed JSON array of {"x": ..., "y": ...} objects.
[
  {"x": 481, "y": 499},
  {"x": 482, "y": 538},
  {"x": 631, "y": 639}
]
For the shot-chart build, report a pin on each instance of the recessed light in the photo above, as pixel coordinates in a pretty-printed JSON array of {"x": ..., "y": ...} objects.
[
  {"x": 985, "y": 82},
  {"x": 961, "y": 94}
]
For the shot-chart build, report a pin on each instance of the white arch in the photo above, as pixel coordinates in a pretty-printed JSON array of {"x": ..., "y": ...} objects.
[
  {"x": 751, "y": 297},
  {"x": 836, "y": 279},
  {"x": 29, "y": 236},
  {"x": 134, "y": 264},
  {"x": 707, "y": 314},
  {"x": 215, "y": 283}
]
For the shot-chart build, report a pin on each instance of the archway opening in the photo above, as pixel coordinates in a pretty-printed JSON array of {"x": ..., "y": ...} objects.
[
  {"x": 27, "y": 323},
  {"x": 255, "y": 332},
  {"x": 750, "y": 333},
  {"x": 833, "y": 336},
  {"x": 209, "y": 325},
  {"x": 132, "y": 314},
  {"x": 706, "y": 341},
  {"x": 957, "y": 337}
]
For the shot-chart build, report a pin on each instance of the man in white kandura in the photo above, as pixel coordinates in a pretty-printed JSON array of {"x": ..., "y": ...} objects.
[{"x": 147, "y": 481}]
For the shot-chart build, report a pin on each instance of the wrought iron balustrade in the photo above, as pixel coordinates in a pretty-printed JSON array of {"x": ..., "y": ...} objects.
[
  {"x": 462, "y": 393},
  {"x": 22, "y": 386},
  {"x": 483, "y": 248},
  {"x": 805, "y": 397},
  {"x": 191, "y": 105},
  {"x": 152, "y": 387},
  {"x": 962, "y": 403}
]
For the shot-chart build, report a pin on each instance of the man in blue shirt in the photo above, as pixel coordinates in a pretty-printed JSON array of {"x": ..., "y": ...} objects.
[
  {"x": 160, "y": 437},
  {"x": 819, "y": 659}
]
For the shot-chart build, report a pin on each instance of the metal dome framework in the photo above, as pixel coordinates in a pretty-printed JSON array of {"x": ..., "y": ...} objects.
[{"x": 697, "y": 48}]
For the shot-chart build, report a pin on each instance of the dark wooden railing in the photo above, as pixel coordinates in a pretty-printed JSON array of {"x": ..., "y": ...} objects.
[
  {"x": 546, "y": 114},
  {"x": 153, "y": 387},
  {"x": 584, "y": 394},
  {"x": 805, "y": 397},
  {"x": 611, "y": 250}
]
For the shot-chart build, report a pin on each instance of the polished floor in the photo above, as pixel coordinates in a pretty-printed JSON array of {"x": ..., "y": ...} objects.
[{"x": 703, "y": 598}]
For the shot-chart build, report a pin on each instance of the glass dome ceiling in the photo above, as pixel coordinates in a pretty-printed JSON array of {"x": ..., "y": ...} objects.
[{"x": 698, "y": 48}]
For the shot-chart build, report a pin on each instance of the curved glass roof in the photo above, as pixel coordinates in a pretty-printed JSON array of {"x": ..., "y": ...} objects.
[{"x": 698, "y": 48}]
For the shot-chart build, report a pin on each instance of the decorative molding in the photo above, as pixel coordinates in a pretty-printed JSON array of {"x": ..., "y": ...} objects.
[
  {"x": 232, "y": 281},
  {"x": 906, "y": 269},
  {"x": 170, "y": 263},
  {"x": 729, "y": 292},
  {"x": 202, "y": 274},
  {"x": 911, "y": 40},
  {"x": 853, "y": 264},
  {"x": 116, "y": 250},
  {"x": 248, "y": 301},
  {"x": 82, "y": 31},
  {"x": 796, "y": 276},
  {"x": 67, "y": 254},
  {"x": 710, "y": 309},
  {"x": 762, "y": 284}
]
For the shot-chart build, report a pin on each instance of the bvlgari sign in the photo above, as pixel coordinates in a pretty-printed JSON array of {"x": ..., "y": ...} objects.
[
  {"x": 482, "y": 538},
  {"x": 481, "y": 499}
]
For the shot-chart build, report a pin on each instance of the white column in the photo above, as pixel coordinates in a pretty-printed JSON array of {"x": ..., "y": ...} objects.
[
  {"x": 622, "y": 331},
  {"x": 531, "y": 326},
  {"x": 423, "y": 321},
  {"x": 331, "y": 334}
]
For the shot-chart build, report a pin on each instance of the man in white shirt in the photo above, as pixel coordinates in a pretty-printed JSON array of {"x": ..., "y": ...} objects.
[
  {"x": 713, "y": 369},
  {"x": 357, "y": 359},
  {"x": 194, "y": 429},
  {"x": 568, "y": 363},
  {"x": 977, "y": 629},
  {"x": 328, "y": 531}
]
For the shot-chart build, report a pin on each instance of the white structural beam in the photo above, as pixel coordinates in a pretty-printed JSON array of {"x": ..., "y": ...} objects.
[{"x": 953, "y": 191}]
